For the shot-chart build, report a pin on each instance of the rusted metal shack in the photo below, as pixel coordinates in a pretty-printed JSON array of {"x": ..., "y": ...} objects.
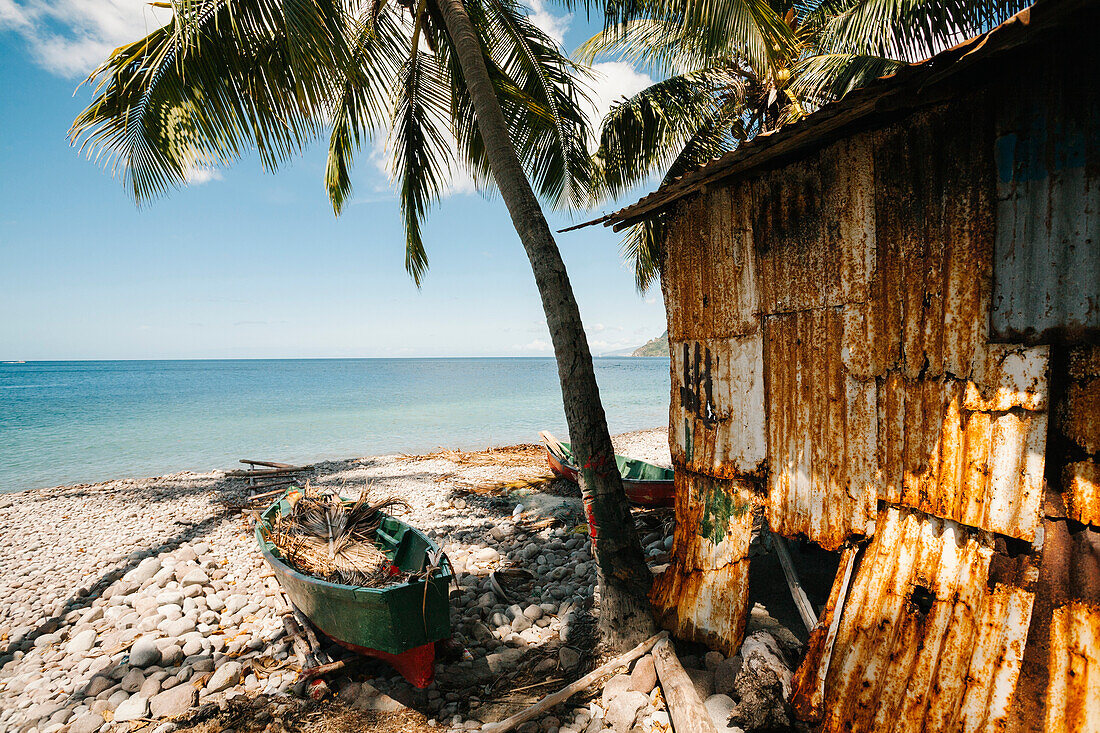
[{"x": 885, "y": 330}]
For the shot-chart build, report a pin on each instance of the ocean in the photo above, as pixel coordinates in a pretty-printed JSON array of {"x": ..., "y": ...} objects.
[{"x": 70, "y": 422}]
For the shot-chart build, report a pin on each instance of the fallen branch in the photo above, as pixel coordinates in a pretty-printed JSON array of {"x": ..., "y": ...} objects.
[
  {"x": 684, "y": 706},
  {"x": 562, "y": 695}
]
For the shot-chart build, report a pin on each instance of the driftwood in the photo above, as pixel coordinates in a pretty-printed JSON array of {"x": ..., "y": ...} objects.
[
  {"x": 260, "y": 472},
  {"x": 269, "y": 464},
  {"x": 268, "y": 494},
  {"x": 562, "y": 695},
  {"x": 801, "y": 601},
  {"x": 323, "y": 669},
  {"x": 684, "y": 706}
]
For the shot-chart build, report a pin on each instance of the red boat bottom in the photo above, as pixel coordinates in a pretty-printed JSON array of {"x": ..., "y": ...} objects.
[{"x": 417, "y": 665}]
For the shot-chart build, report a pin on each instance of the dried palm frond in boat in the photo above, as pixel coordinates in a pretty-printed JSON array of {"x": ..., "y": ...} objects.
[{"x": 335, "y": 540}]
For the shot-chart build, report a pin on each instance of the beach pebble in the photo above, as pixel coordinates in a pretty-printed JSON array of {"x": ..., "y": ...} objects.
[
  {"x": 719, "y": 707},
  {"x": 224, "y": 677},
  {"x": 643, "y": 677},
  {"x": 194, "y": 577},
  {"x": 624, "y": 708},
  {"x": 133, "y": 680},
  {"x": 486, "y": 555},
  {"x": 82, "y": 642},
  {"x": 132, "y": 708},
  {"x": 174, "y": 702},
  {"x": 145, "y": 653}
]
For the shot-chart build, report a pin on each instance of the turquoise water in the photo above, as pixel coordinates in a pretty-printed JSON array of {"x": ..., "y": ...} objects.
[{"x": 69, "y": 422}]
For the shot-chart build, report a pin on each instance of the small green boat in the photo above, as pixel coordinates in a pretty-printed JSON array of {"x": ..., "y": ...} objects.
[
  {"x": 644, "y": 483},
  {"x": 399, "y": 623}
]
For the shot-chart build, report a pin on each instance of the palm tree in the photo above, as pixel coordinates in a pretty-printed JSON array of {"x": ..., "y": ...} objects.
[
  {"x": 225, "y": 76},
  {"x": 737, "y": 68}
]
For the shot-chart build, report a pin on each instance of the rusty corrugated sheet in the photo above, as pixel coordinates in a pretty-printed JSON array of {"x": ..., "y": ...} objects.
[
  {"x": 1082, "y": 496},
  {"x": 717, "y": 410},
  {"x": 1059, "y": 685},
  {"x": 813, "y": 224},
  {"x": 932, "y": 634},
  {"x": 928, "y": 309},
  {"x": 1079, "y": 416},
  {"x": 1075, "y": 442},
  {"x": 1047, "y": 280},
  {"x": 1073, "y": 694},
  {"x": 702, "y": 594},
  {"x": 822, "y": 429},
  {"x": 984, "y": 469},
  {"x": 708, "y": 276}
]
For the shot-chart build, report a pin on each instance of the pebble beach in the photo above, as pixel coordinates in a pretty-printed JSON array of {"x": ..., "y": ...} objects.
[{"x": 142, "y": 604}]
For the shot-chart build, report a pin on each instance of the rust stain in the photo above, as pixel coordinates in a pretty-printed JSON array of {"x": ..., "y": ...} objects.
[
  {"x": 1080, "y": 420},
  {"x": 813, "y": 228},
  {"x": 702, "y": 595},
  {"x": 1059, "y": 676},
  {"x": 1082, "y": 495},
  {"x": 927, "y": 310},
  {"x": 924, "y": 642}
]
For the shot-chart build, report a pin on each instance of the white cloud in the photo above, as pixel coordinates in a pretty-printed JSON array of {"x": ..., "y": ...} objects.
[
  {"x": 614, "y": 81},
  {"x": 552, "y": 25},
  {"x": 595, "y": 328},
  {"x": 536, "y": 345},
  {"x": 71, "y": 37},
  {"x": 202, "y": 174}
]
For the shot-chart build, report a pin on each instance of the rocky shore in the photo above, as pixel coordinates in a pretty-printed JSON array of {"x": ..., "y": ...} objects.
[{"x": 142, "y": 605}]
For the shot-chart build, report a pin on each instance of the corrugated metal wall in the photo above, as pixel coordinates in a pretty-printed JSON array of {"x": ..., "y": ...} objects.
[
  {"x": 1048, "y": 200},
  {"x": 829, "y": 321}
]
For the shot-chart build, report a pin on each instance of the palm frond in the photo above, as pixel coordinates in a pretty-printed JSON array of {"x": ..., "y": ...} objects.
[
  {"x": 365, "y": 98},
  {"x": 904, "y": 29},
  {"x": 751, "y": 30},
  {"x": 422, "y": 158},
  {"x": 822, "y": 78},
  {"x": 646, "y": 133},
  {"x": 218, "y": 78},
  {"x": 641, "y": 246}
]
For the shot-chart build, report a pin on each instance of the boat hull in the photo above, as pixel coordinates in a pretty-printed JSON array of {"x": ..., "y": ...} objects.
[{"x": 397, "y": 622}]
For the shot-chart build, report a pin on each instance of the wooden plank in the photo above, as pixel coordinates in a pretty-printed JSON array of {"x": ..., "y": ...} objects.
[
  {"x": 801, "y": 601},
  {"x": 269, "y": 464},
  {"x": 684, "y": 705}
]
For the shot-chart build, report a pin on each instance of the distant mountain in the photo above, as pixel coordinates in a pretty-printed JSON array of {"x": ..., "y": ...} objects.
[{"x": 653, "y": 347}]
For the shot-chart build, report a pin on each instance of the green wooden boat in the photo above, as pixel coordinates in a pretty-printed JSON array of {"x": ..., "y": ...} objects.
[
  {"x": 644, "y": 483},
  {"x": 399, "y": 623}
]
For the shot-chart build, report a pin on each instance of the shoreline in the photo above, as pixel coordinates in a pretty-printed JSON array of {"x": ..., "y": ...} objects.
[
  {"x": 140, "y": 599},
  {"x": 633, "y": 439}
]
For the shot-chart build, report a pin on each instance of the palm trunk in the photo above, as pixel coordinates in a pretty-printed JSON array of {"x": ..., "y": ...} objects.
[{"x": 625, "y": 615}]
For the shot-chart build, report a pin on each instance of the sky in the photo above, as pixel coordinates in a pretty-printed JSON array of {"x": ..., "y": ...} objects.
[{"x": 243, "y": 263}]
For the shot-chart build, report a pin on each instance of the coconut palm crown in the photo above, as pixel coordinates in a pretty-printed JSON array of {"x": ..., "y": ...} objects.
[
  {"x": 733, "y": 69},
  {"x": 226, "y": 76}
]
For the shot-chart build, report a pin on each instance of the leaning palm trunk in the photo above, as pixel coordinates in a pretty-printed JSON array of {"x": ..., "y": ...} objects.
[{"x": 625, "y": 616}]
